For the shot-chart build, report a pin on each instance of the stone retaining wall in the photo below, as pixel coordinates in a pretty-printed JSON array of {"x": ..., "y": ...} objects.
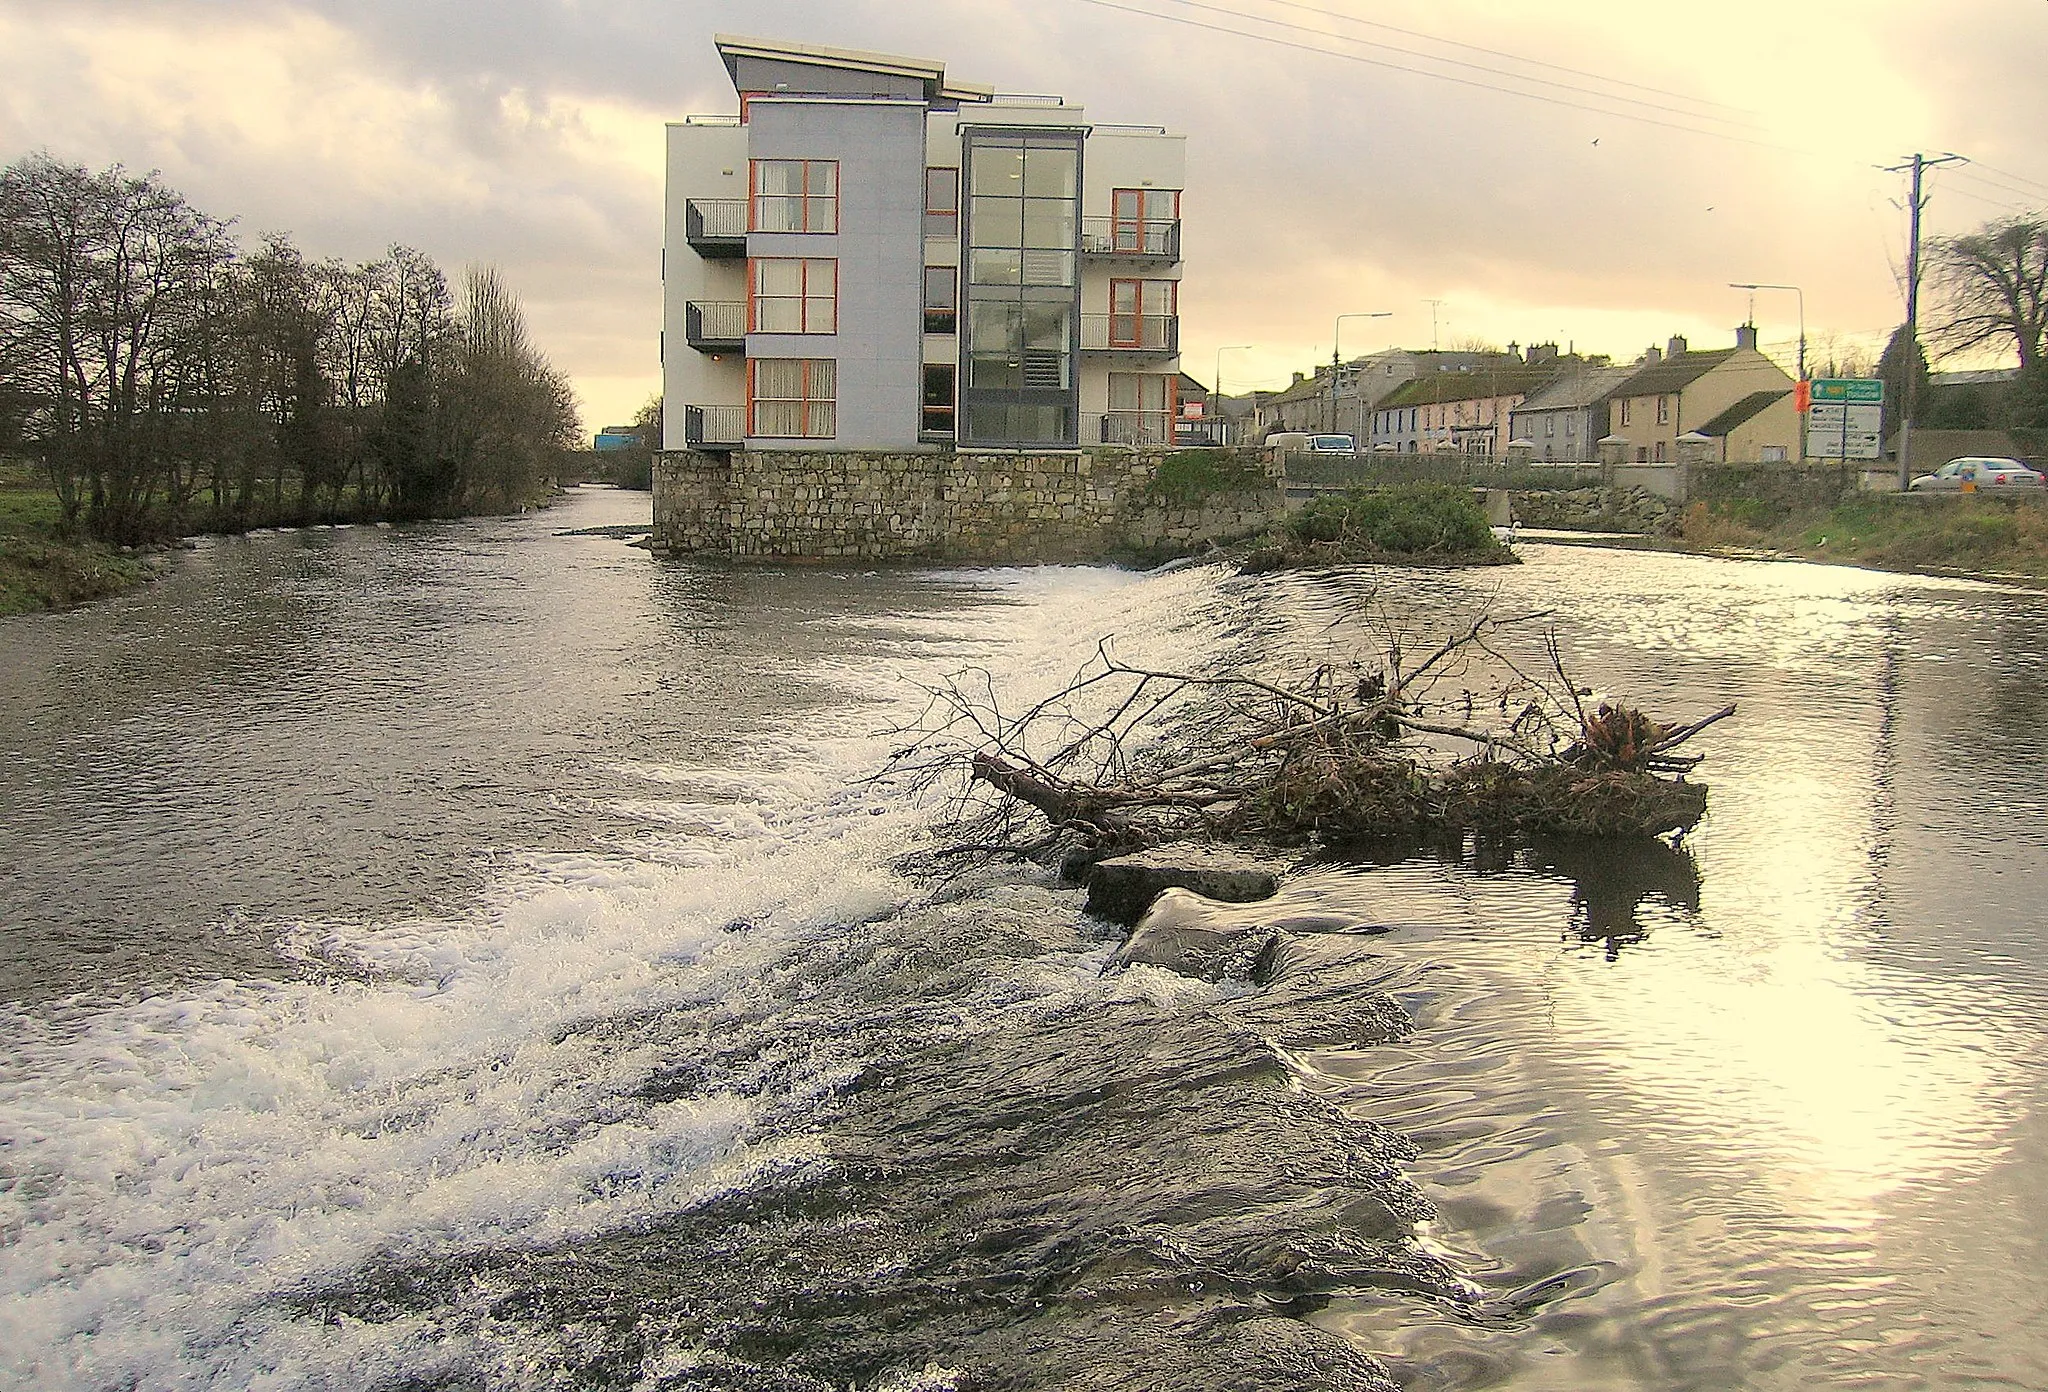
[{"x": 831, "y": 505}]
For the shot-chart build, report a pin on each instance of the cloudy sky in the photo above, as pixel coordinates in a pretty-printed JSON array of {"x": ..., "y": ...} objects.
[{"x": 1590, "y": 171}]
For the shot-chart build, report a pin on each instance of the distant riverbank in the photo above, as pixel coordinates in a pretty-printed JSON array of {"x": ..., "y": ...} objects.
[{"x": 1968, "y": 538}]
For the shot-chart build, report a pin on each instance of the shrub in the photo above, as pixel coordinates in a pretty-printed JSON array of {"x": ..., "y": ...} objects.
[
  {"x": 1186, "y": 477},
  {"x": 1417, "y": 519}
]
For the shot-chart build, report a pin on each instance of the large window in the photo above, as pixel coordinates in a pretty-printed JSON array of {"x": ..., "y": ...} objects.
[
  {"x": 1019, "y": 295},
  {"x": 937, "y": 418},
  {"x": 941, "y": 299},
  {"x": 1141, "y": 313},
  {"x": 792, "y": 398},
  {"x": 1142, "y": 407},
  {"x": 794, "y": 295},
  {"x": 1143, "y": 219},
  {"x": 795, "y": 196},
  {"x": 942, "y": 202}
]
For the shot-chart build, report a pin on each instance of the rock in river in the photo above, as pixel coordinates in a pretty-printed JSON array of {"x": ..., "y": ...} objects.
[{"x": 1123, "y": 888}]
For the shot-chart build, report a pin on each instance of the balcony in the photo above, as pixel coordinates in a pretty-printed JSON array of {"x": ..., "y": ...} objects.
[
  {"x": 1154, "y": 243},
  {"x": 1133, "y": 335},
  {"x": 716, "y": 227},
  {"x": 716, "y": 326},
  {"x": 714, "y": 428}
]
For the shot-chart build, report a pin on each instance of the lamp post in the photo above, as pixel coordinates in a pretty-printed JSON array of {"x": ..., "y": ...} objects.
[
  {"x": 1336, "y": 331},
  {"x": 1218, "y": 378},
  {"x": 1753, "y": 287}
]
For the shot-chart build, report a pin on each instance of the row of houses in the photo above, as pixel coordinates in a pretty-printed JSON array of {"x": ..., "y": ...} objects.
[{"x": 1544, "y": 404}]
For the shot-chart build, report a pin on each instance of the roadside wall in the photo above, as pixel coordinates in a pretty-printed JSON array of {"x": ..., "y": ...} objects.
[{"x": 831, "y": 505}]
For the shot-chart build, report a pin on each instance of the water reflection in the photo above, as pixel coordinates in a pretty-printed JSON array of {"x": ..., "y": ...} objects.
[
  {"x": 1777, "y": 1087},
  {"x": 1616, "y": 887}
]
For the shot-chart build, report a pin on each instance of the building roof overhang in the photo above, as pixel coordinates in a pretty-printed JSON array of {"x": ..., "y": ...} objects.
[{"x": 733, "y": 47}]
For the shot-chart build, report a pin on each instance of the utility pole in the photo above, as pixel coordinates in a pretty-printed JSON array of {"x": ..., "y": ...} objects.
[{"x": 1918, "y": 164}]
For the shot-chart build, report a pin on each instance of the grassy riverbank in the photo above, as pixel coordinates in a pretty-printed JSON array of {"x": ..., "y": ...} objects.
[
  {"x": 41, "y": 566},
  {"x": 1977, "y": 536}
]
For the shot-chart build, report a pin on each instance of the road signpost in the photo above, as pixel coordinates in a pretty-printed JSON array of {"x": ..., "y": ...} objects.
[{"x": 1846, "y": 419}]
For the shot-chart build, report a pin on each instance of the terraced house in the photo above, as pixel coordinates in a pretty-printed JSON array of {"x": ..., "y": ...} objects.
[
  {"x": 869, "y": 255},
  {"x": 1736, "y": 396}
]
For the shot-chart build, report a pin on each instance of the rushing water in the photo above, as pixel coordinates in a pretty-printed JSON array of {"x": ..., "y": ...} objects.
[{"x": 468, "y": 956}]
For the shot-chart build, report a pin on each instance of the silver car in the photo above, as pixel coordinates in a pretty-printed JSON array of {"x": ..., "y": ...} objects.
[{"x": 1979, "y": 473}]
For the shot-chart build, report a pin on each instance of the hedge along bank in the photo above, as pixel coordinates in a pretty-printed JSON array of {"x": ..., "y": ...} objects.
[{"x": 996, "y": 507}]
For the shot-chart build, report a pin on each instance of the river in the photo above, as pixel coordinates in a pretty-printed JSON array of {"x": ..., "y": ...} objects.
[{"x": 469, "y": 956}]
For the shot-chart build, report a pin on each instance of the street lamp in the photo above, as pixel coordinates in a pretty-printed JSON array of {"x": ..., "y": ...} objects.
[
  {"x": 1218, "y": 379},
  {"x": 1336, "y": 331},
  {"x": 1753, "y": 287}
]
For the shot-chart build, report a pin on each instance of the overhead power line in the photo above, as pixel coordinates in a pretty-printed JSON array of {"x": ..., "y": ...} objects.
[
  {"x": 1277, "y": 42},
  {"x": 2035, "y": 188},
  {"x": 1497, "y": 53},
  {"x": 1595, "y": 92},
  {"x": 2034, "y": 200}
]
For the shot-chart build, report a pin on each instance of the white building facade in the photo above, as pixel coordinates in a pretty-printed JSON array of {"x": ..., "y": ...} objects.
[{"x": 870, "y": 256}]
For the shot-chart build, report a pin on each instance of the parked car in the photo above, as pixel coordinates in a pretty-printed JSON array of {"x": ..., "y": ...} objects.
[
  {"x": 1331, "y": 444},
  {"x": 1987, "y": 474}
]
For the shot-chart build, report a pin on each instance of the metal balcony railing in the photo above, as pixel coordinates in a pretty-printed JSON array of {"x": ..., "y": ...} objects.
[
  {"x": 1122, "y": 238},
  {"x": 716, "y": 227},
  {"x": 716, "y": 324},
  {"x": 1157, "y": 334},
  {"x": 1137, "y": 428},
  {"x": 714, "y": 427}
]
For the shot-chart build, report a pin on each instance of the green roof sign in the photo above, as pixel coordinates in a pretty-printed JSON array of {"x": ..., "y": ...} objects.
[{"x": 1848, "y": 389}]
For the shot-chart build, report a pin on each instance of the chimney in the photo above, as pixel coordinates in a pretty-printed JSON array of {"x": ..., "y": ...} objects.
[
  {"x": 1652, "y": 356},
  {"x": 1745, "y": 336},
  {"x": 1299, "y": 378},
  {"x": 1514, "y": 349},
  {"x": 1676, "y": 347}
]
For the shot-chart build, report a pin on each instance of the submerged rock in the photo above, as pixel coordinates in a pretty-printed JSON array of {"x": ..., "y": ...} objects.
[
  {"x": 1183, "y": 932},
  {"x": 1122, "y": 888}
]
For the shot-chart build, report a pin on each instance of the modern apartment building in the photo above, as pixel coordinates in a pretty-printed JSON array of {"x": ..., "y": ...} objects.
[{"x": 872, "y": 256}]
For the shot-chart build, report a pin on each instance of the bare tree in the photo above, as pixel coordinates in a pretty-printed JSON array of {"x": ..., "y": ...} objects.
[{"x": 1993, "y": 284}]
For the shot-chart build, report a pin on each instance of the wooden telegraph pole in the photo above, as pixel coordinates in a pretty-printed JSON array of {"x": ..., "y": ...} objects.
[{"x": 1918, "y": 164}]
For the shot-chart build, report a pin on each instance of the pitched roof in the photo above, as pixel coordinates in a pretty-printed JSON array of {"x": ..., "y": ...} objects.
[
  {"x": 1576, "y": 390},
  {"x": 1439, "y": 388},
  {"x": 1744, "y": 410},
  {"x": 1673, "y": 374},
  {"x": 1306, "y": 389}
]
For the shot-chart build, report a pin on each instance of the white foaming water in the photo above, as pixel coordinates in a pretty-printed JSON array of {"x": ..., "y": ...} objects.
[{"x": 172, "y": 1171}]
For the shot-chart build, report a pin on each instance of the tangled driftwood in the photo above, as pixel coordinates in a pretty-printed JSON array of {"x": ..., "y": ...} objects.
[{"x": 1125, "y": 757}]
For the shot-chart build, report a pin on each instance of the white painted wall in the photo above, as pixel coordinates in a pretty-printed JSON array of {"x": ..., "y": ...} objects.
[{"x": 704, "y": 161}]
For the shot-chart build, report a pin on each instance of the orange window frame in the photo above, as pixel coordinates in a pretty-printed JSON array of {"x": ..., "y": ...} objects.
[
  {"x": 803, "y": 298},
  {"x": 805, "y": 197},
  {"x": 1134, "y": 318},
  {"x": 1137, "y": 222},
  {"x": 804, "y": 402}
]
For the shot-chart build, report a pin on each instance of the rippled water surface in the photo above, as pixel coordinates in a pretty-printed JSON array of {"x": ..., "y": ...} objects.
[{"x": 469, "y": 956}]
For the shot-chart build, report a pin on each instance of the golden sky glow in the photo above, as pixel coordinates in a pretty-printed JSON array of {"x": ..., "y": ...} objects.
[{"x": 529, "y": 134}]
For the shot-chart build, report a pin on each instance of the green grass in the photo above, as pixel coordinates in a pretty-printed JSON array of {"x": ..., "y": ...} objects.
[
  {"x": 41, "y": 567},
  {"x": 1985, "y": 535},
  {"x": 1188, "y": 476}
]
